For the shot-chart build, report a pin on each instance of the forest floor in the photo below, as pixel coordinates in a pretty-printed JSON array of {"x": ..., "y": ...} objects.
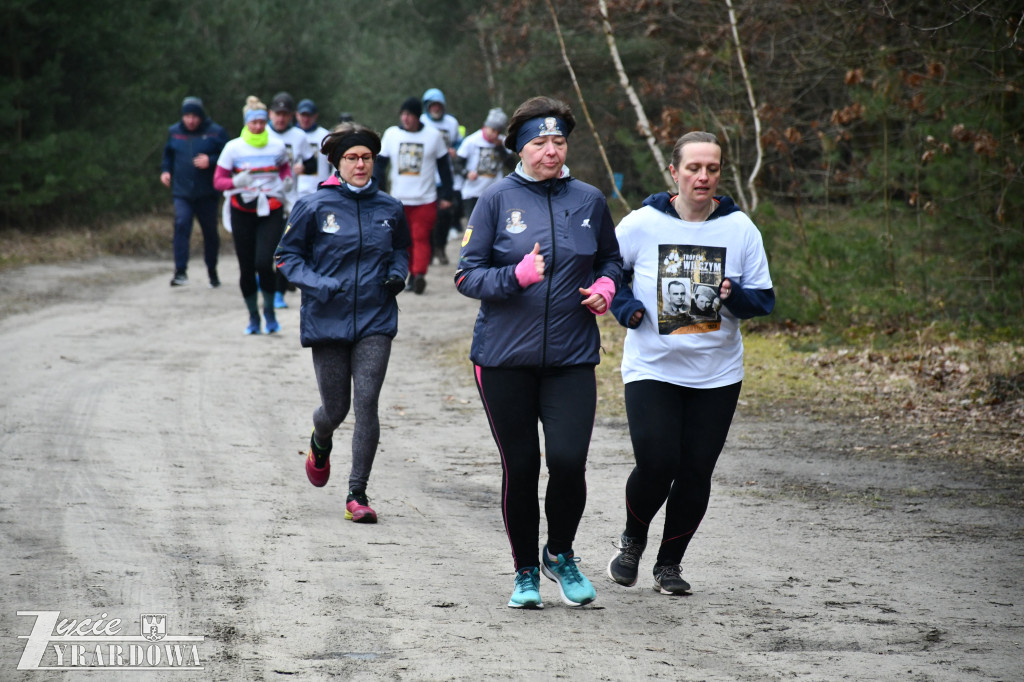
[{"x": 153, "y": 460}]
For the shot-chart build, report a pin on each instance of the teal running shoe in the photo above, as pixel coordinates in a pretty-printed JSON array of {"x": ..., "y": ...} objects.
[
  {"x": 526, "y": 594},
  {"x": 575, "y": 588},
  {"x": 279, "y": 301}
]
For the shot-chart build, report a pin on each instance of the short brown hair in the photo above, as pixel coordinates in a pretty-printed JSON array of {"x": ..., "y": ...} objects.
[
  {"x": 692, "y": 137},
  {"x": 534, "y": 108}
]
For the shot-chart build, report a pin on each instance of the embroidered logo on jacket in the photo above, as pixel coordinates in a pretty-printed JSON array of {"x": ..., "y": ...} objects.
[
  {"x": 330, "y": 225},
  {"x": 514, "y": 223},
  {"x": 585, "y": 223}
]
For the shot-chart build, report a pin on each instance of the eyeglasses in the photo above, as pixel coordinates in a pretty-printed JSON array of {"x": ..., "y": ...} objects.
[{"x": 353, "y": 158}]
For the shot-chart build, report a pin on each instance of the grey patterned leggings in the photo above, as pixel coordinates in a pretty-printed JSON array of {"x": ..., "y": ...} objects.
[{"x": 351, "y": 374}]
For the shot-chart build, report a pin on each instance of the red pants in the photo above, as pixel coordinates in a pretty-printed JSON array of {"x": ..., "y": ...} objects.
[{"x": 421, "y": 221}]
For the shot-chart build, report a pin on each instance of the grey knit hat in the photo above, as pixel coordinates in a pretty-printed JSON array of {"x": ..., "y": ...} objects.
[{"x": 496, "y": 119}]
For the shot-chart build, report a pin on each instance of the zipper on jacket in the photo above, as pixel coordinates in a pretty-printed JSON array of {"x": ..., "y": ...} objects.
[
  {"x": 548, "y": 273},
  {"x": 359, "y": 258}
]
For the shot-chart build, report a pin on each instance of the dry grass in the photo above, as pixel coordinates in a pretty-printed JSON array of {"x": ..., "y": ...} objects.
[
  {"x": 941, "y": 397},
  {"x": 146, "y": 235}
]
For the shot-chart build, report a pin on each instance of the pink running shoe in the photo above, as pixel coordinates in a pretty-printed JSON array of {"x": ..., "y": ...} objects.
[
  {"x": 317, "y": 477},
  {"x": 357, "y": 508}
]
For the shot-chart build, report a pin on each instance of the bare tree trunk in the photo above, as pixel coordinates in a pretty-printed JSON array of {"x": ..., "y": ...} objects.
[
  {"x": 741, "y": 196},
  {"x": 495, "y": 60},
  {"x": 642, "y": 122},
  {"x": 481, "y": 34},
  {"x": 583, "y": 105},
  {"x": 752, "y": 179}
]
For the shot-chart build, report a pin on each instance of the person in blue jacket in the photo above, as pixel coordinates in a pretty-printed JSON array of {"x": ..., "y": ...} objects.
[
  {"x": 190, "y": 157},
  {"x": 540, "y": 254},
  {"x": 682, "y": 373},
  {"x": 345, "y": 247}
]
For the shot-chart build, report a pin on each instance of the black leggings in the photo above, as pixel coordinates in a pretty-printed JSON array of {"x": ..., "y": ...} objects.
[
  {"x": 678, "y": 434},
  {"x": 564, "y": 400},
  {"x": 256, "y": 239}
]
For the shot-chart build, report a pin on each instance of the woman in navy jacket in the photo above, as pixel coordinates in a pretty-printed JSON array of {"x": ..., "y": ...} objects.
[
  {"x": 540, "y": 254},
  {"x": 345, "y": 248}
]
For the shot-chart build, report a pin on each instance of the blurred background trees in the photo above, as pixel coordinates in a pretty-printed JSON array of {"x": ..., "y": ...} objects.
[{"x": 890, "y": 188}]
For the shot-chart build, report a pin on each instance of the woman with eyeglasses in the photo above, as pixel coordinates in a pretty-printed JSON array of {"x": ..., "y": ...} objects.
[{"x": 345, "y": 248}]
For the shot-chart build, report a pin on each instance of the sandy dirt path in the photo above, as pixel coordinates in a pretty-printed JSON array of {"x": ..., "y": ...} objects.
[{"x": 152, "y": 464}]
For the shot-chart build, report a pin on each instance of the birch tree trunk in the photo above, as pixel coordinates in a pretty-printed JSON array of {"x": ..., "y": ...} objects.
[
  {"x": 641, "y": 117},
  {"x": 734, "y": 152},
  {"x": 583, "y": 106},
  {"x": 752, "y": 101}
]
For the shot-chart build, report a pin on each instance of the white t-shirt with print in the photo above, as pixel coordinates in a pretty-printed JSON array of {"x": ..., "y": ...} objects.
[
  {"x": 413, "y": 163},
  {"x": 448, "y": 126},
  {"x": 297, "y": 147},
  {"x": 483, "y": 157},
  {"x": 263, "y": 163},
  {"x": 700, "y": 347},
  {"x": 307, "y": 184}
]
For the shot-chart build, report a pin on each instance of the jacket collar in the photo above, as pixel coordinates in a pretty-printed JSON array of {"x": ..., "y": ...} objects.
[
  {"x": 662, "y": 201},
  {"x": 335, "y": 183},
  {"x": 554, "y": 185}
]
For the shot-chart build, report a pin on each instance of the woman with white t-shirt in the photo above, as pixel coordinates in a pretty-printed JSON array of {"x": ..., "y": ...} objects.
[
  {"x": 683, "y": 373},
  {"x": 482, "y": 157},
  {"x": 254, "y": 173}
]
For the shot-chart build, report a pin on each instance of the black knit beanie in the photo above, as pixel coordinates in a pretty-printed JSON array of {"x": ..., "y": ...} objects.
[{"x": 413, "y": 106}]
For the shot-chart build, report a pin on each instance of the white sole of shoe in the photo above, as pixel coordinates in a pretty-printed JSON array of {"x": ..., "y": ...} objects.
[
  {"x": 613, "y": 577},
  {"x": 569, "y": 602}
]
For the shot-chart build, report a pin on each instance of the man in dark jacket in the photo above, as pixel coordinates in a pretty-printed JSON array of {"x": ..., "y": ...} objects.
[{"x": 190, "y": 156}]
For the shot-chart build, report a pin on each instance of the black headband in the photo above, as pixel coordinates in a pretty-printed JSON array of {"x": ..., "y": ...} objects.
[{"x": 356, "y": 139}]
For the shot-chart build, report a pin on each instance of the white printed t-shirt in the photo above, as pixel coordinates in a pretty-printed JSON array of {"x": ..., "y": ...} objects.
[
  {"x": 263, "y": 163},
  {"x": 483, "y": 157},
  {"x": 307, "y": 184},
  {"x": 297, "y": 147},
  {"x": 413, "y": 163},
  {"x": 696, "y": 347}
]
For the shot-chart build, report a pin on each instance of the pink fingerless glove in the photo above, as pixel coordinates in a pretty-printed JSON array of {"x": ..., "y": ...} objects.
[
  {"x": 606, "y": 287},
  {"x": 526, "y": 272}
]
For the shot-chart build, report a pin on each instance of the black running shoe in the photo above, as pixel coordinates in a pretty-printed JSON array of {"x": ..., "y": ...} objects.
[
  {"x": 667, "y": 580},
  {"x": 623, "y": 566}
]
